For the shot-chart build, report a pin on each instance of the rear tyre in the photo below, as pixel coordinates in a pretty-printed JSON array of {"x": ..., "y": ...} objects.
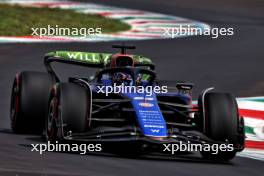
[
  {"x": 219, "y": 121},
  {"x": 69, "y": 111},
  {"x": 29, "y": 101}
]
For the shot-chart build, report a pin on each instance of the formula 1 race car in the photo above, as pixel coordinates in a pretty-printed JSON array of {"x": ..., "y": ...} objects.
[{"x": 84, "y": 109}]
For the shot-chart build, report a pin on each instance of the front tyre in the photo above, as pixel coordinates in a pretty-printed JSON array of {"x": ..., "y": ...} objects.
[
  {"x": 69, "y": 111},
  {"x": 220, "y": 122}
]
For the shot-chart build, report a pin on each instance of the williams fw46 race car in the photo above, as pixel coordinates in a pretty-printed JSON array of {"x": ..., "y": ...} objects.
[{"x": 80, "y": 110}]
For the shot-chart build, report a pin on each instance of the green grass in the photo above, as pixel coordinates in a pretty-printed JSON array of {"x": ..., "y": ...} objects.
[{"x": 17, "y": 20}]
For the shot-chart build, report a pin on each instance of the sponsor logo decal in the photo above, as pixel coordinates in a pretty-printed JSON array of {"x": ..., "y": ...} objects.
[
  {"x": 155, "y": 130},
  {"x": 142, "y": 98},
  {"x": 138, "y": 98},
  {"x": 146, "y": 105}
]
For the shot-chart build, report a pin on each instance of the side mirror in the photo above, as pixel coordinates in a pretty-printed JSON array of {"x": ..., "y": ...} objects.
[{"x": 185, "y": 88}]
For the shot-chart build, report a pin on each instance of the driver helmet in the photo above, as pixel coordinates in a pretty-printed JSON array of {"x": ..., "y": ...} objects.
[{"x": 122, "y": 61}]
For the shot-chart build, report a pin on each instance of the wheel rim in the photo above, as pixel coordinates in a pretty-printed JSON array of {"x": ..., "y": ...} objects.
[{"x": 51, "y": 120}]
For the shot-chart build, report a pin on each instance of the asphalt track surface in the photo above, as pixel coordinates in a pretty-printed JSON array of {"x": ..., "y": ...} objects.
[{"x": 233, "y": 64}]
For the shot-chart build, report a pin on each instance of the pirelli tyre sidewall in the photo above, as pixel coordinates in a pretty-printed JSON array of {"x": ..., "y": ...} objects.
[{"x": 29, "y": 101}]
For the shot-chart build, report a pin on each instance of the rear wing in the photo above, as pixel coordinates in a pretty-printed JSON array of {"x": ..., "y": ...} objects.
[{"x": 97, "y": 60}]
